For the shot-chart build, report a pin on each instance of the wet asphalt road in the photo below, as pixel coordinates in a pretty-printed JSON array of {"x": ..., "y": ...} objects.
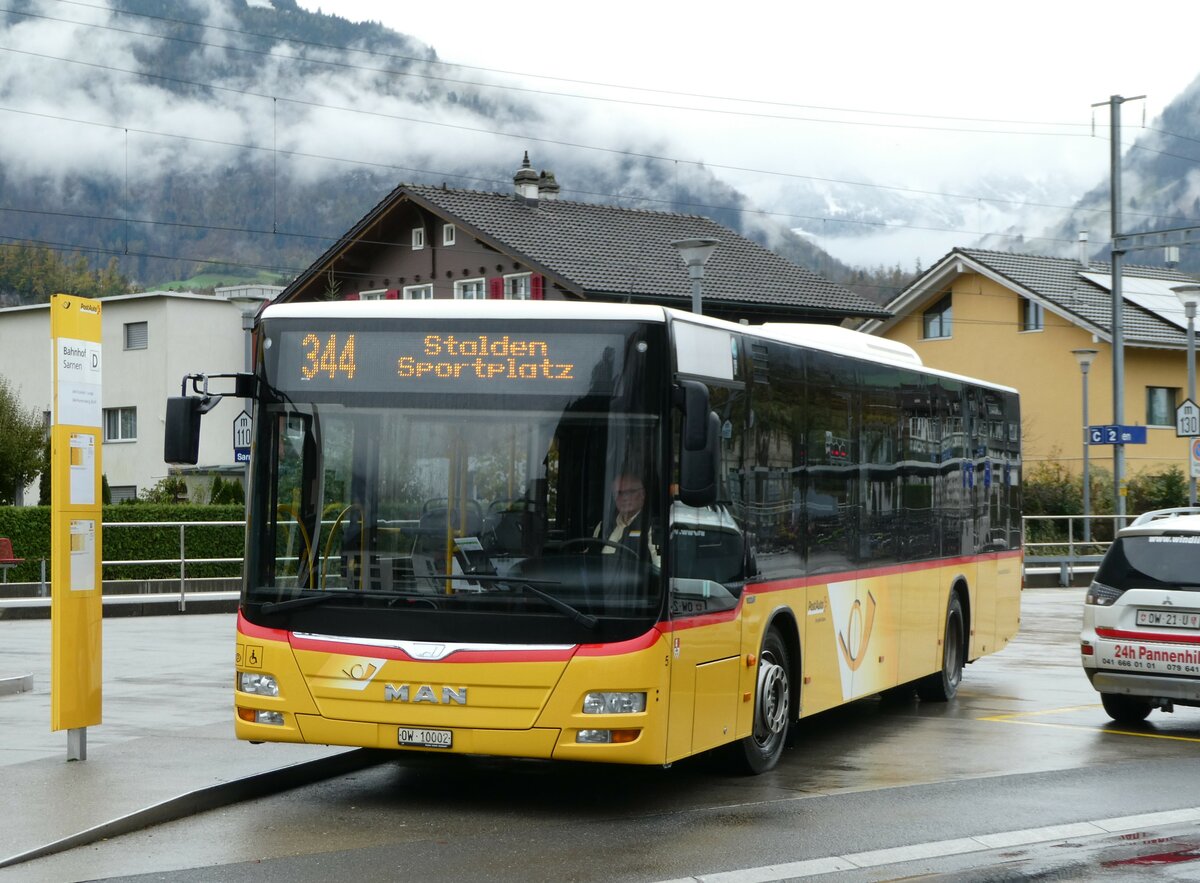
[{"x": 1026, "y": 745}]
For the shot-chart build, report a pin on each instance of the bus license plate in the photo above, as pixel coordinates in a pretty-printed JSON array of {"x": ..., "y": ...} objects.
[
  {"x": 426, "y": 738},
  {"x": 1168, "y": 619}
]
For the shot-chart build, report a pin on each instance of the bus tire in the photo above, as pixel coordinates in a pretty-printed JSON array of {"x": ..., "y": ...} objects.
[
  {"x": 943, "y": 685},
  {"x": 760, "y": 751}
]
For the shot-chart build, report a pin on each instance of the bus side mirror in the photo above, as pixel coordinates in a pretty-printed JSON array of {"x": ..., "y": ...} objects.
[
  {"x": 698, "y": 468},
  {"x": 699, "y": 458},
  {"x": 181, "y": 440}
]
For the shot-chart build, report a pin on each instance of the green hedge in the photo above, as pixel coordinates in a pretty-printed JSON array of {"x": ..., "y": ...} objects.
[{"x": 29, "y": 529}]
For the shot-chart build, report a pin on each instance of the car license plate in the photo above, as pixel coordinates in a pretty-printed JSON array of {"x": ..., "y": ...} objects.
[
  {"x": 1168, "y": 619},
  {"x": 426, "y": 738}
]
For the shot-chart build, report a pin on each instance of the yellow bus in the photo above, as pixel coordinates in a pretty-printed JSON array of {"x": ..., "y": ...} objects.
[{"x": 602, "y": 532}]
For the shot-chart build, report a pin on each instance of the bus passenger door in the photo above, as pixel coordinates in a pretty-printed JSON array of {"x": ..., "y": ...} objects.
[{"x": 709, "y": 554}]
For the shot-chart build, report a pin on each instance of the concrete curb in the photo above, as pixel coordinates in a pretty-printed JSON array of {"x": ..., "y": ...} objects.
[
  {"x": 213, "y": 797},
  {"x": 16, "y": 684}
]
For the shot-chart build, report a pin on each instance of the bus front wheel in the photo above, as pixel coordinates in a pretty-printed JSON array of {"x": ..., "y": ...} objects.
[
  {"x": 943, "y": 685},
  {"x": 760, "y": 751}
]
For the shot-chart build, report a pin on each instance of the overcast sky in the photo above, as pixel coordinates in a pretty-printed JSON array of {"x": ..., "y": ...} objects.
[
  {"x": 906, "y": 100},
  {"x": 1017, "y": 63}
]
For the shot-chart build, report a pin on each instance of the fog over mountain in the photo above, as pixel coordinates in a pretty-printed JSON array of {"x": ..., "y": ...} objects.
[{"x": 244, "y": 136}]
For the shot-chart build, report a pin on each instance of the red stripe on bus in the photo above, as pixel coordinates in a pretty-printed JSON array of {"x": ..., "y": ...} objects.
[
  {"x": 822, "y": 579},
  {"x": 1154, "y": 637},
  {"x": 250, "y": 630},
  {"x": 633, "y": 645}
]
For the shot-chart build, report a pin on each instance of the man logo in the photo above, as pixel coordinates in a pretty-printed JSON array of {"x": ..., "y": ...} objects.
[
  {"x": 424, "y": 693},
  {"x": 858, "y": 633}
]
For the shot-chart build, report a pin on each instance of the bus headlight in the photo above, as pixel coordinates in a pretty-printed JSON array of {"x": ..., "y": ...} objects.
[
  {"x": 258, "y": 716},
  {"x": 607, "y": 737},
  {"x": 614, "y": 703},
  {"x": 258, "y": 684}
]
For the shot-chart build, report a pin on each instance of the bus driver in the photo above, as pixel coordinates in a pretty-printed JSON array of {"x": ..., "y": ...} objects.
[{"x": 629, "y": 495}]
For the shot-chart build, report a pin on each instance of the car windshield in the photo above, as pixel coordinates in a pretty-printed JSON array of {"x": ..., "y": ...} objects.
[{"x": 1152, "y": 562}]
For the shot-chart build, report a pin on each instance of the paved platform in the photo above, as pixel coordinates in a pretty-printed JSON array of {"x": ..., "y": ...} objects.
[{"x": 164, "y": 749}]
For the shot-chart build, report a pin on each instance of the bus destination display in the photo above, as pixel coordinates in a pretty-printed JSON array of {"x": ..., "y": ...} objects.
[{"x": 468, "y": 362}]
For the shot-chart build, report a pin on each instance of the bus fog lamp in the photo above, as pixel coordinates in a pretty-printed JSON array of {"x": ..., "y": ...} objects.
[
  {"x": 594, "y": 737},
  {"x": 275, "y": 718},
  {"x": 258, "y": 684},
  {"x": 614, "y": 703}
]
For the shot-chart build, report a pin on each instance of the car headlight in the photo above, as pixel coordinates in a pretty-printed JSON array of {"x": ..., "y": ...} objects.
[
  {"x": 258, "y": 684},
  {"x": 614, "y": 703}
]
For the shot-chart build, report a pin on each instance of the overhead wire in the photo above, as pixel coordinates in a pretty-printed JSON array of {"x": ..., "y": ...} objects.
[{"x": 525, "y": 137}]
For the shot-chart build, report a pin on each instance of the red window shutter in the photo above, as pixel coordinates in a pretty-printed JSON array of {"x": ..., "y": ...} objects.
[
  {"x": 496, "y": 288},
  {"x": 536, "y": 287},
  {"x": 392, "y": 294},
  {"x": 351, "y": 295}
]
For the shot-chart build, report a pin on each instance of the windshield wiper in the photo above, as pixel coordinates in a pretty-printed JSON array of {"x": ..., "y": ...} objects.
[
  {"x": 296, "y": 603},
  {"x": 584, "y": 619},
  {"x": 530, "y": 585},
  {"x": 269, "y": 607}
]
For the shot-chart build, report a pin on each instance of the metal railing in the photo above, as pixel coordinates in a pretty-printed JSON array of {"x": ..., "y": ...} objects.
[
  {"x": 1065, "y": 554},
  {"x": 1078, "y": 550},
  {"x": 182, "y": 561}
]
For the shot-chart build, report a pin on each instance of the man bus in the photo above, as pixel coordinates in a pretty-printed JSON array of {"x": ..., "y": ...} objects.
[{"x": 823, "y": 519}]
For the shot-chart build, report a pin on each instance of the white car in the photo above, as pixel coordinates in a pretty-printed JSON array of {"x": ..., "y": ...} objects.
[{"x": 1140, "y": 644}]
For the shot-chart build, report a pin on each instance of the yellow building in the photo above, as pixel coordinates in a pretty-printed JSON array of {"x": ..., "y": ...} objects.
[{"x": 1016, "y": 319}]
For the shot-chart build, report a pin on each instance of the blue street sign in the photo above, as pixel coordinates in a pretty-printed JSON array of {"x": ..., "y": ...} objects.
[{"x": 1116, "y": 434}]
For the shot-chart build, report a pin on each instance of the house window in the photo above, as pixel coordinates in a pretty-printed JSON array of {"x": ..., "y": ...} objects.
[
  {"x": 418, "y": 238},
  {"x": 376, "y": 294},
  {"x": 418, "y": 292},
  {"x": 518, "y": 287},
  {"x": 1033, "y": 318},
  {"x": 1160, "y": 405},
  {"x": 448, "y": 234},
  {"x": 936, "y": 320},
  {"x": 470, "y": 289},
  {"x": 120, "y": 424},
  {"x": 136, "y": 336},
  {"x": 123, "y": 492}
]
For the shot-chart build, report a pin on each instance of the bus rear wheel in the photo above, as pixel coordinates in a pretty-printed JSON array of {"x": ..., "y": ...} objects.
[
  {"x": 943, "y": 685},
  {"x": 760, "y": 751}
]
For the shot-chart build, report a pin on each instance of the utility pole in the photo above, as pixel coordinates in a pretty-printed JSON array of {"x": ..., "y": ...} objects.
[{"x": 1118, "y": 332}]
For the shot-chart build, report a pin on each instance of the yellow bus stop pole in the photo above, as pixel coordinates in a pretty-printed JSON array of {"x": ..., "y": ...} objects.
[{"x": 76, "y": 608}]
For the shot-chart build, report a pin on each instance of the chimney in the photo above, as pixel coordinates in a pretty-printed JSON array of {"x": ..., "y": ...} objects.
[
  {"x": 1085, "y": 257},
  {"x": 526, "y": 181},
  {"x": 547, "y": 187}
]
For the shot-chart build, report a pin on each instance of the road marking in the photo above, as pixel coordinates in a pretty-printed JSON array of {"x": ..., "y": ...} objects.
[
  {"x": 936, "y": 849},
  {"x": 1018, "y": 718}
]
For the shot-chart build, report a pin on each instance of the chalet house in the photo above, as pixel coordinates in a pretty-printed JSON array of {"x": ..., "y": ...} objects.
[
  {"x": 1017, "y": 319},
  {"x": 436, "y": 242}
]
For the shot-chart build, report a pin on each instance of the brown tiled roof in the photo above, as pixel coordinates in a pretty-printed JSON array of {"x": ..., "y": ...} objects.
[{"x": 605, "y": 251}]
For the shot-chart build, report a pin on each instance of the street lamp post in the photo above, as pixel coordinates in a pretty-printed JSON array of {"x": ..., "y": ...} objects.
[
  {"x": 694, "y": 253},
  {"x": 1189, "y": 296},
  {"x": 1085, "y": 357}
]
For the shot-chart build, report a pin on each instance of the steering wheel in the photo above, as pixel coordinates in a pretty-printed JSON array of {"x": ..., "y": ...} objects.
[{"x": 587, "y": 543}]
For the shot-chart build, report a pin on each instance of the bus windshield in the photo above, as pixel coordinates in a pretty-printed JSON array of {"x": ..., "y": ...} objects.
[{"x": 430, "y": 512}]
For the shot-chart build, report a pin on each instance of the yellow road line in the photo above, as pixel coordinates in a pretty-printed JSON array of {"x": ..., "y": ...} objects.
[{"x": 1015, "y": 719}]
